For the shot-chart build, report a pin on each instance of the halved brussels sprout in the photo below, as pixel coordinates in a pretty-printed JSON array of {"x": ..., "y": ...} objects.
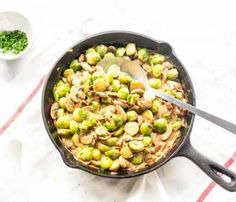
[
  {"x": 101, "y": 49},
  {"x": 131, "y": 128},
  {"x": 130, "y": 49}
]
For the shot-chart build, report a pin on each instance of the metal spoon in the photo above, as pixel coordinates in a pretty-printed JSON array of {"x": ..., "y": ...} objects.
[{"x": 138, "y": 73}]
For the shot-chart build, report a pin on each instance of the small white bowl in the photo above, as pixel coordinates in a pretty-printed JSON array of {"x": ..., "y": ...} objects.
[{"x": 10, "y": 21}]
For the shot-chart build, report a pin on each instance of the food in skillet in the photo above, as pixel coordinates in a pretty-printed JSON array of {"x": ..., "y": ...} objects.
[{"x": 102, "y": 118}]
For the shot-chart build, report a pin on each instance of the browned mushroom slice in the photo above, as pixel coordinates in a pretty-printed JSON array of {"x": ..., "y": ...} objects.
[
  {"x": 138, "y": 91},
  {"x": 67, "y": 142},
  {"x": 86, "y": 139},
  {"x": 167, "y": 134},
  {"x": 155, "y": 139},
  {"x": 121, "y": 112},
  {"x": 81, "y": 58},
  {"x": 111, "y": 49},
  {"x": 162, "y": 110},
  {"x": 77, "y": 93},
  {"x": 113, "y": 94},
  {"x": 150, "y": 158},
  {"x": 102, "y": 94},
  {"x": 69, "y": 104},
  {"x": 167, "y": 65},
  {"x": 87, "y": 67},
  {"x": 121, "y": 103},
  {"x": 105, "y": 137},
  {"x": 53, "y": 110},
  {"x": 144, "y": 103},
  {"x": 95, "y": 163}
]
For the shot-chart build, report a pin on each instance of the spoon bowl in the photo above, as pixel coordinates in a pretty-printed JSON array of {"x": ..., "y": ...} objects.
[{"x": 136, "y": 71}]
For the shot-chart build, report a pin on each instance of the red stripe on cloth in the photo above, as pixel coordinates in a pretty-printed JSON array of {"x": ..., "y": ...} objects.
[
  {"x": 22, "y": 106},
  {"x": 210, "y": 187}
]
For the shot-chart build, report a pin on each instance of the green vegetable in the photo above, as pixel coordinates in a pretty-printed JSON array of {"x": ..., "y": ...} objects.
[
  {"x": 75, "y": 65},
  {"x": 145, "y": 129},
  {"x": 160, "y": 125},
  {"x": 85, "y": 154},
  {"x": 176, "y": 125},
  {"x": 172, "y": 74},
  {"x": 120, "y": 52},
  {"x": 101, "y": 49},
  {"x": 132, "y": 115},
  {"x": 115, "y": 165},
  {"x": 92, "y": 57},
  {"x": 124, "y": 78},
  {"x": 155, "y": 83},
  {"x": 111, "y": 126},
  {"x": 157, "y": 59},
  {"x": 113, "y": 154},
  {"x": 80, "y": 114},
  {"x": 75, "y": 139},
  {"x": 155, "y": 106},
  {"x": 136, "y": 145},
  {"x": 115, "y": 85},
  {"x": 123, "y": 93},
  {"x": 74, "y": 127},
  {"x": 96, "y": 154},
  {"x": 131, "y": 128},
  {"x": 100, "y": 85},
  {"x": 137, "y": 159},
  {"x": 143, "y": 54},
  {"x": 102, "y": 147},
  {"x": 130, "y": 49},
  {"x": 157, "y": 70},
  {"x": 126, "y": 152},
  {"x": 63, "y": 122},
  {"x": 106, "y": 162},
  {"x": 13, "y": 41},
  {"x": 147, "y": 141},
  {"x": 111, "y": 141}
]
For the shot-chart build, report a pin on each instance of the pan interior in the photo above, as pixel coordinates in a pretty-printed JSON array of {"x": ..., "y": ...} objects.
[{"x": 116, "y": 39}]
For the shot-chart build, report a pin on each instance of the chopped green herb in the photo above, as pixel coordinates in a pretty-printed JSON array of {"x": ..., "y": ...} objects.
[{"x": 13, "y": 41}]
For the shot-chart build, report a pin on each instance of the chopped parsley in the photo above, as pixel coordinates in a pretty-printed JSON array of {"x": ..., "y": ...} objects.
[{"x": 13, "y": 41}]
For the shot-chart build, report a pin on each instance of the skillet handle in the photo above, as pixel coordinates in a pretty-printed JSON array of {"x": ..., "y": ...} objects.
[{"x": 211, "y": 168}]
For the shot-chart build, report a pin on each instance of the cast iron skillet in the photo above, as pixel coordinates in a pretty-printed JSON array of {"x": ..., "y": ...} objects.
[{"x": 183, "y": 146}]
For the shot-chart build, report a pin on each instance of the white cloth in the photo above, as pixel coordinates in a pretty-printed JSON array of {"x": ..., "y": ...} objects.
[{"x": 32, "y": 170}]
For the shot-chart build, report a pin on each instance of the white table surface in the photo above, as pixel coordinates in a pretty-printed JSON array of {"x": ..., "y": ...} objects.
[{"x": 203, "y": 34}]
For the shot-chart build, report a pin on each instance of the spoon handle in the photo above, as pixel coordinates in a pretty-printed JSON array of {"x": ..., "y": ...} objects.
[{"x": 214, "y": 119}]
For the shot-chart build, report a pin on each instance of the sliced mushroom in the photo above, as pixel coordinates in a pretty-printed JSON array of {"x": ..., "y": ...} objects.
[
  {"x": 87, "y": 67},
  {"x": 69, "y": 104},
  {"x": 138, "y": 91},
  {"x": 144, "y": 103},
  {"x": 77, "y": 93},
  {"x": 121, "y": 103},
  {"x": 102, "y": 94},
  {"x": 167, "y": 65},
  {"x": 54, "y": 109},
  {"x": 67, "y": 142},
  {"x": 81, "y": 58},
  {"x": 121, "y": 112},
  {"x": 140, "y": 120},
  {"x": 162, "y": 110},
  {"x": 150, "y": 158},
  {"x": 86, "y": 139}
]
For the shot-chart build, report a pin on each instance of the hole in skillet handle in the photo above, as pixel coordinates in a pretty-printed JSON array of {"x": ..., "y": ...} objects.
[
  {"x": 214, "y": 170},
  {"x": 228, "y": 177}
]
